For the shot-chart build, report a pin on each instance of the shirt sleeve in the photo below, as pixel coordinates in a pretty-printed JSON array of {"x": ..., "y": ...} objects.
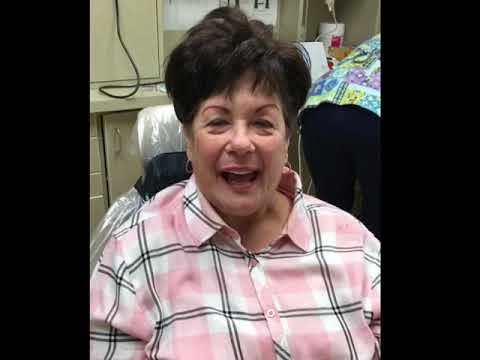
[
  {"x": 372, "y": 286},
  {"x": 119, "y": 327}
]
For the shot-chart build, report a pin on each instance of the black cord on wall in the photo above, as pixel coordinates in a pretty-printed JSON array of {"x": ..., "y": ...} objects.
[{"x": 137, "y": 74}]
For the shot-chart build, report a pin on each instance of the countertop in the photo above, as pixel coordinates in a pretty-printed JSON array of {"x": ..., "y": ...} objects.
[{"x": 143, "y": 98}]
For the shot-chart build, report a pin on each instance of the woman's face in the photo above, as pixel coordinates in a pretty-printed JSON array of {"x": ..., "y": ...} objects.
[{"x": 238, "y": 147}]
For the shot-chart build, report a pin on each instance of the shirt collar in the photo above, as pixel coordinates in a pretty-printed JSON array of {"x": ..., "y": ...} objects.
[
  {"x": 297, "y": 227},
  {"x": 203, "y": 221}
]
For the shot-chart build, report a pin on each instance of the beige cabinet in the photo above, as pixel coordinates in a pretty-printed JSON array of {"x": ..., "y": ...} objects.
[
  {"x": 98, "y": 198},
  {"x": 122, "y": 167},
  {"x": 113, "y": 168},
  {"x": 141, "y": 30}
]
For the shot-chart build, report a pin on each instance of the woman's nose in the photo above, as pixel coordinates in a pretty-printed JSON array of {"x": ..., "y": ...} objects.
[{"x": 240, "y": 141}]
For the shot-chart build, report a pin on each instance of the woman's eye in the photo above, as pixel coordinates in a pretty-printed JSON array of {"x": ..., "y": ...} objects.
[
  {"x": 263, "y": 124},
  {"x": 218, "y": 122}
]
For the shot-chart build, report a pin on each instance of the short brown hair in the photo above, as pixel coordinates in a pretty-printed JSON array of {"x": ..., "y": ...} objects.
[{"x": 217, "y": 51}]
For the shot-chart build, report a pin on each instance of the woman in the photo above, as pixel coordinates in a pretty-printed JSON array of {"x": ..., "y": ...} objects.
[
  {"x": 236, "y": 263},
  {"x": 341, "y": 133}
]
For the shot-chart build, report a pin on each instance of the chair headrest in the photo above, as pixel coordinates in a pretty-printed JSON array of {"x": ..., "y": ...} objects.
[{"x": 157, "y": 131}]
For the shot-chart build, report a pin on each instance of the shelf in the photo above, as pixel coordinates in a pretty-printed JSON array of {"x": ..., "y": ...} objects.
[{"x": 100, "y": 103}]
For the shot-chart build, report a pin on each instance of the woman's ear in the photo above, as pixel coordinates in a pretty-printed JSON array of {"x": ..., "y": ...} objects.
[{"x": 187, "y": 134}]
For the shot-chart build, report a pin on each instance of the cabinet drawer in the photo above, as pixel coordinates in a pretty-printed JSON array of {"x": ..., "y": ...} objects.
[
  {"x": 96, "y": 184},
  {"x": 95, "y": 163},
  {"x": 97, "y": 210}
]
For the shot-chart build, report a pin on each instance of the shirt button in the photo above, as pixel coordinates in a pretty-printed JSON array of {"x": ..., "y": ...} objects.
[{"x": 271, "y": 313}]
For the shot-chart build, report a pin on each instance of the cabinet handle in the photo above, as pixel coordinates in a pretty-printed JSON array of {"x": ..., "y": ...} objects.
[{"x": 117, "y": 139}]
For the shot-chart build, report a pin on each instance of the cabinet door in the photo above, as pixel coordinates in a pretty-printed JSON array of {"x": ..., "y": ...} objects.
[
  {"x": 141, "y": 30},
  {"x": 123, "y": 168},
  {"x": 98, "y": 201}
]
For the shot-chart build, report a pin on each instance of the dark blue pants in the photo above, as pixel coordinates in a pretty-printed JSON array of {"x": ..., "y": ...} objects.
[{"x": 342, "y": 144}]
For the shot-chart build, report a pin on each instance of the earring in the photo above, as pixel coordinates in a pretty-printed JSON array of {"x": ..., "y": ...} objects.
[{"x": 188, "y": 166}]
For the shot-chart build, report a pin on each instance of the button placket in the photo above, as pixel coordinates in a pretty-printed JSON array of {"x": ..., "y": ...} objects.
[
  {"x": 265, "y": 298},
  {"x": 271, "y": 313},
  {"x": 252, "y": 261}
]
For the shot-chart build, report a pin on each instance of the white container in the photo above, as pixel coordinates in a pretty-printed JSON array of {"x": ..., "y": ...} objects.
[
  {"x": 331, "y": 34},
  {"x": 318, "y": 59}
]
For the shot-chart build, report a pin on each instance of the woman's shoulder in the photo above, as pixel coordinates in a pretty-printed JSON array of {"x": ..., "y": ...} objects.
[
  {"x": 153, "y": 226},
  {"x": 315, "y": 204},
  {"x": 334, "y": 219},
  {"x": 164, "y": 201},
  {"x": 160, "y": 209}
]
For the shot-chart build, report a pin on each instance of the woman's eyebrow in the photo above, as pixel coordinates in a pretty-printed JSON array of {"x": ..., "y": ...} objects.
[
  {"x": 226, "y": 109},
  {"x": 215, "y": 107},
  {"x": 267, "y": 106}
]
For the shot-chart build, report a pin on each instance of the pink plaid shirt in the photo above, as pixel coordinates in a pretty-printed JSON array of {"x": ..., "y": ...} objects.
[{"x": 175, "y": 282}]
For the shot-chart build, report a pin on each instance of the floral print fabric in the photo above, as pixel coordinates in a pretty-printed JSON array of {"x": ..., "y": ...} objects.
[{"x": 353, "y": 81}]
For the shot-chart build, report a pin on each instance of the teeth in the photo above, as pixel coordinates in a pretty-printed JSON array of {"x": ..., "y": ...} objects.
[
  {"x": 235, "y": 177},
  {"x": 240, "y": 172}
]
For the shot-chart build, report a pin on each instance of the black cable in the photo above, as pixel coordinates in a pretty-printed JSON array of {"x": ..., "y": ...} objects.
[{"x": 137, "y": 85}]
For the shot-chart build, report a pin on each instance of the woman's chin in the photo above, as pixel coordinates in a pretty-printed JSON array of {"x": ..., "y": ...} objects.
[
  {"x": 238, "y": 207},
  {"x": 236, "y": 199}
]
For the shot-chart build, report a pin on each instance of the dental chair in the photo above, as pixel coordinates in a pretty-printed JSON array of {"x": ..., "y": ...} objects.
[{"x": 158, "y": 141}]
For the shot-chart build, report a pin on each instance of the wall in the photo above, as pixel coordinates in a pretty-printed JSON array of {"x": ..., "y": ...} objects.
[{"x": 361, "y": 18}]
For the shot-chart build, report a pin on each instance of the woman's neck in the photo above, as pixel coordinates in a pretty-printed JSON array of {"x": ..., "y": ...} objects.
[{"x": 259, "y": 229}]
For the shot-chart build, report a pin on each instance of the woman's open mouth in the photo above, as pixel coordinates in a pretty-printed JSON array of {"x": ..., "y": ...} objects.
[{"x": 240, "y": 180}]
